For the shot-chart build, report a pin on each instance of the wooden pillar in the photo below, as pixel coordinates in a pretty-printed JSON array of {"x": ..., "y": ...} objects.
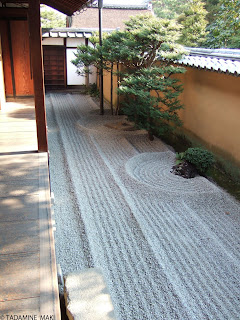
[
  {"x": 2, "y": 87},
  {"x": 100, "y": 6},
  {"x": 37, "y": 71}
]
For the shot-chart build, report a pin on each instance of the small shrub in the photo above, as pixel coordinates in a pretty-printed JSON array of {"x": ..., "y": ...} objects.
[
  {"x": 200, "y": 158},
  {"x": 93, "y": 90},
  {"x": 180, "y": 157}
]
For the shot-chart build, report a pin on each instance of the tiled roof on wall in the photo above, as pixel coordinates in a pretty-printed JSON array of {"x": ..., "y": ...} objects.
[
  {"x": 124, "y": 4},
  {"x": 69, "y": 32},
  {"x": 219, "y": 60}
]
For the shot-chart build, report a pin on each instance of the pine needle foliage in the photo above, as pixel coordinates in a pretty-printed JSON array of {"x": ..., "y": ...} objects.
[
  {"x": 169, "y": 9},
  {"x": 194, "y": 24},
  {"x": 150, "y": 93},
  {"x": 51, "y": 18},
  {"x": 151, "y": 99},
  {"x": 138, "y": 46}
]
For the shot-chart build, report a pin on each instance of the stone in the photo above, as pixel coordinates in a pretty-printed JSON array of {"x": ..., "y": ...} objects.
[
  {"x": 87, "y": 297},
  {"x": 185, "y": 170}
]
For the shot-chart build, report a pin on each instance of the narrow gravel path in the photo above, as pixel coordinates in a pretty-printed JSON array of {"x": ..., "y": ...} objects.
[{"x": 168, "y": 247}]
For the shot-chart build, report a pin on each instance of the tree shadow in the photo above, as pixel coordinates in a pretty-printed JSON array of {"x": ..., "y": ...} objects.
[{"x": 27, "y": 113}]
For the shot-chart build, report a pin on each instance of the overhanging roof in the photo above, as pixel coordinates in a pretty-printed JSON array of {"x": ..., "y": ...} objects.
[{"x": 66, "y": 6}]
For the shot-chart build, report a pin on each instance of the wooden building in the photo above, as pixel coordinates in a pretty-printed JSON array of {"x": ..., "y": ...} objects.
[
  {"x": 59, "y": 47},
  {"x": 21, "y": 58}
]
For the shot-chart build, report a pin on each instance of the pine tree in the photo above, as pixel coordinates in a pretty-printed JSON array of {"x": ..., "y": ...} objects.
[
  {"x": 212, "y": 7},
  {"x": 151, "y": 99},
  {"x": 169, "y": 9},
  {"x": 51, "y": 18},
  {"x": 151, "y": 92},
  {"x": 194, "y": 24},
  {"x": 145, "y": 41}
]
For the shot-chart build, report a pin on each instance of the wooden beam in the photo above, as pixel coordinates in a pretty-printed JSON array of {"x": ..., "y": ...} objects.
[
  {"x": 37, "y": 71},
  {"x": 13, "y": 13},
  {"x": 60, "y": 6},
  {"x": 2, "y": 87}
]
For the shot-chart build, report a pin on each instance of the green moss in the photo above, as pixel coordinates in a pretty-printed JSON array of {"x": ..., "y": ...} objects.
[{"x": 224, "y": 180}]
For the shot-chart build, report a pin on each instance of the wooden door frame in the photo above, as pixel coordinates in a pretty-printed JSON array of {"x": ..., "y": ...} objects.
[
  {"x": 2, "y": 86},
  {"x": 21, "y": 16}
]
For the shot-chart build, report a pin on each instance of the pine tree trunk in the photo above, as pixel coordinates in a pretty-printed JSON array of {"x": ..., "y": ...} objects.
[
  {"x": 118, "y": 84},
  {"x": 112, "y": 88},
  {"x": 150, "y": 135},
  {"x": 149, "y": 120}
]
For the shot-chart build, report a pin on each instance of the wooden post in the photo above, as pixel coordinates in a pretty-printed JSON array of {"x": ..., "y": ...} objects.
[
  {"x": 2, "y": 87},
  {"x": 37, "y": 71},
  {"x": 100, "y": 6}
]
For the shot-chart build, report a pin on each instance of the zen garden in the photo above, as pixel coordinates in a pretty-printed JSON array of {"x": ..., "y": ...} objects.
[
  {"x": 142, "y": 60},
  {"x": 120, "y": 156}
]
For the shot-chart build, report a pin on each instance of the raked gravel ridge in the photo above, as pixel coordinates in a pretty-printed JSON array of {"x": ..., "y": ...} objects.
[{"x": 168, "y": 247}]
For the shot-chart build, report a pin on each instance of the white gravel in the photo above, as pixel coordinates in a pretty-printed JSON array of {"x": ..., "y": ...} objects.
[{"x": 168, "y": 247}]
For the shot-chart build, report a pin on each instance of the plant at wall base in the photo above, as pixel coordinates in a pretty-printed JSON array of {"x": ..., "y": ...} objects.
[
  {"x": 200, "y": 158},
  {"x": 193, "y": 161},
  {"x": 93, "y": 90},
  {"x": 151, "y": 99}
]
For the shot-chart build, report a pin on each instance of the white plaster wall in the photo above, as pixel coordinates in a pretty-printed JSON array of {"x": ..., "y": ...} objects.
[
  {"x": 74, "y": 42},
  {"x": 92, "y": 75},
  {"x": 52, "y": 42},
  {"x": 72, "y": 77}
]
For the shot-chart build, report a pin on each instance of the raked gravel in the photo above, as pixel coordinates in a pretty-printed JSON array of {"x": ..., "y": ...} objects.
[{"x": 169, "y": 248}]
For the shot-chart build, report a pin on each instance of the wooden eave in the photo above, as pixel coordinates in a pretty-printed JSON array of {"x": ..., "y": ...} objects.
[
  {"x": 67, "y": 7},
  {"x": 15, "y": 13}
]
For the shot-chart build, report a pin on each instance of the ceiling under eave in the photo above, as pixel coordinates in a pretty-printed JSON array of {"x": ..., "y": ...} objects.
[{"x": 67, "y": 7}]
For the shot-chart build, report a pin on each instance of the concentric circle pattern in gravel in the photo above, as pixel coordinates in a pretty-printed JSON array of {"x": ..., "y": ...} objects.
[{"x": 154, "y": 169}]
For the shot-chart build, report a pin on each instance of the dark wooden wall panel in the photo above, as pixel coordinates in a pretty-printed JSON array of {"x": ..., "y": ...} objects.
[
  {"x": 6, "y": 58},
  {"x": 21, "y": 58},
  {"x": 54, "y": 66}
]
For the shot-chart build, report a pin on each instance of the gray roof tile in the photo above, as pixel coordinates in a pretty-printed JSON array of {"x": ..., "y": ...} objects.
[{"x": 220, "y": 60}]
